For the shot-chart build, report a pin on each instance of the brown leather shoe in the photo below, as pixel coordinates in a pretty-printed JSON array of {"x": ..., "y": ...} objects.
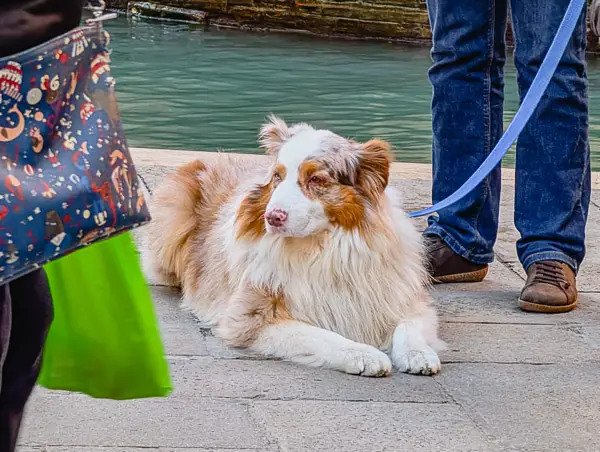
[
  {"x": 445, "y": 266},
  {"x": 550, "y": 288}
]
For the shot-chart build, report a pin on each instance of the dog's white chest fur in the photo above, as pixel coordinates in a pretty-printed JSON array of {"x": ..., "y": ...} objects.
[{"x": 340, "y": 285}]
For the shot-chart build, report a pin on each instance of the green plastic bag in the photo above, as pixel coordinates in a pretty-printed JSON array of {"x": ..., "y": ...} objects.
[{"x": 104, "y": 340}]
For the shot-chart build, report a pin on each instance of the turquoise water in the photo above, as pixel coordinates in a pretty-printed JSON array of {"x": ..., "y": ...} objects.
[{"x": 184, "y": 87}]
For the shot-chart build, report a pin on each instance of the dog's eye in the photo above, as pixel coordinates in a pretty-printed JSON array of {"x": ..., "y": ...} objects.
[{"x": 315, "y": 180}]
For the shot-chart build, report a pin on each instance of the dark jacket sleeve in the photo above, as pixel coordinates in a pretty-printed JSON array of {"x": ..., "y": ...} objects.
[{"x": 27, "y": 23}]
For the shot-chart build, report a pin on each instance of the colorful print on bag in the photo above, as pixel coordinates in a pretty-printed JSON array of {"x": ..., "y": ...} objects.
[{"x": 66, "y": 172}]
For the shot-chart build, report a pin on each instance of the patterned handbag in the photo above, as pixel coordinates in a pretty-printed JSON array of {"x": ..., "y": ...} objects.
[{"x": 67, "y": 177}]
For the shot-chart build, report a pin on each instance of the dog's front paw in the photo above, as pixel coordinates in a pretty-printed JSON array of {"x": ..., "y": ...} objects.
[
  {"x": 418, "y": 361},
  {"x": 368, "y": 362}
]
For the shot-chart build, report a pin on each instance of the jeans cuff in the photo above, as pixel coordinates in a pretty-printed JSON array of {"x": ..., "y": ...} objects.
[
  {"x": 457, "y": 247},
  {"x": 550, "y": 256}
]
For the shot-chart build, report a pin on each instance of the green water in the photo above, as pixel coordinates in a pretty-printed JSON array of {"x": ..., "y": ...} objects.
[{"x": 183, "y": 87}]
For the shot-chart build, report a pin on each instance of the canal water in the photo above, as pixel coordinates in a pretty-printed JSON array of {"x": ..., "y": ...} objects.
[{"x": 183, "y": 87}]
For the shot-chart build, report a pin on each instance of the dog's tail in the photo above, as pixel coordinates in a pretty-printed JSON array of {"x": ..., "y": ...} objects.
[{"x": 174, "y": 207}]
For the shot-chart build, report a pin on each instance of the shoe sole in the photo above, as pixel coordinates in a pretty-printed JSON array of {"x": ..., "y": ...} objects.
[
  {"x": 470, "y": 277},
  {"x": 544, "y": 308}
]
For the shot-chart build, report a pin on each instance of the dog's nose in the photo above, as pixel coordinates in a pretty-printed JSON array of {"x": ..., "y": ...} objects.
[{"x": 276, "y": 217}]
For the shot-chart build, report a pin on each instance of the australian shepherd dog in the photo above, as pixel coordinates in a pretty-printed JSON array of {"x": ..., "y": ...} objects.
[{"x": 305, "y": 255}]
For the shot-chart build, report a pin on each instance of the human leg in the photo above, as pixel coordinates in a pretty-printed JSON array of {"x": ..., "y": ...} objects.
[
  {"x": 553, "y": 179},
  {"x": 468, "y": 93},
  {"x": 26, "y": 307}
]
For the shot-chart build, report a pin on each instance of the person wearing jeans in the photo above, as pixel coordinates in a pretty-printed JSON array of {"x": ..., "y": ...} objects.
[{"x": 553, "y": 179}]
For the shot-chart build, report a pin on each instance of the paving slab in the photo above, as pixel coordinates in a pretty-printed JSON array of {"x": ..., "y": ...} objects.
[
  {"x": 500, "y": 278},
  {"x": 505, "y": 246},
  {"x": 133, "y": 449},
  {"x": 217, "y": 349},
  {"x": 315, "y": 426},
  {"x": 277, "y": 380},
  {"x": 495, "y": 300},
  {"x": 152, "y": 175},
  {"x": 587, "y": 279},
  {"x": 517, "y": 268},
  {"x": 530, "y": 408},
  {"x": 80, "y": 421},
  {"x": 518, "y": 343},
  {"x": 180, "y": 332},
  {"x": 589, "y": 334},
  {"x": 498, "y": 306}
]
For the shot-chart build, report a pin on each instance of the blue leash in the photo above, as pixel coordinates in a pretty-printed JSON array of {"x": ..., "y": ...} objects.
[{"x": 531, "y": 101}]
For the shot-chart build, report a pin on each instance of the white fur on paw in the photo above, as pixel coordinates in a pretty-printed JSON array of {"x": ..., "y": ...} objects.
[
  {"x": 424, "y": 361},
  {"x": 368, "y": 362}
]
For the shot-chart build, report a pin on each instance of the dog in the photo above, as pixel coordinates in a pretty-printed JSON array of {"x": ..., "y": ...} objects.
[{"x": 305, "y": 255}]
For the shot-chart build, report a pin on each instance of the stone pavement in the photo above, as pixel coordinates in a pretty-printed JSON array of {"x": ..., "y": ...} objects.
[{"x": 510, "y": 381}]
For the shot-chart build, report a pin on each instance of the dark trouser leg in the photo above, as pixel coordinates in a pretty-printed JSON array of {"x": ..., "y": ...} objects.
[
  {"x": 553, "y": 156},
  {"x": 468, "y": 92},
  {"x": 25, "y": 317}
]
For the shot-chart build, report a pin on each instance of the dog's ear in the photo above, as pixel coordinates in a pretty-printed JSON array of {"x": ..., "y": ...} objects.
[
  {"x": 276, "y": 132},
  {"x": 374, "y": 167},
  {"x": 273, "y": 134}
]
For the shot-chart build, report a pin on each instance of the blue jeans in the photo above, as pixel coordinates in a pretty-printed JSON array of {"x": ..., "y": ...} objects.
[{"x": 553, "y": 159}]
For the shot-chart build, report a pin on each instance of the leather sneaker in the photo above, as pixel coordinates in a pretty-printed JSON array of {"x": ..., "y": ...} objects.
[
  {"x": 550, "y": 288},
  {"x": 445, "y": 266}
]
